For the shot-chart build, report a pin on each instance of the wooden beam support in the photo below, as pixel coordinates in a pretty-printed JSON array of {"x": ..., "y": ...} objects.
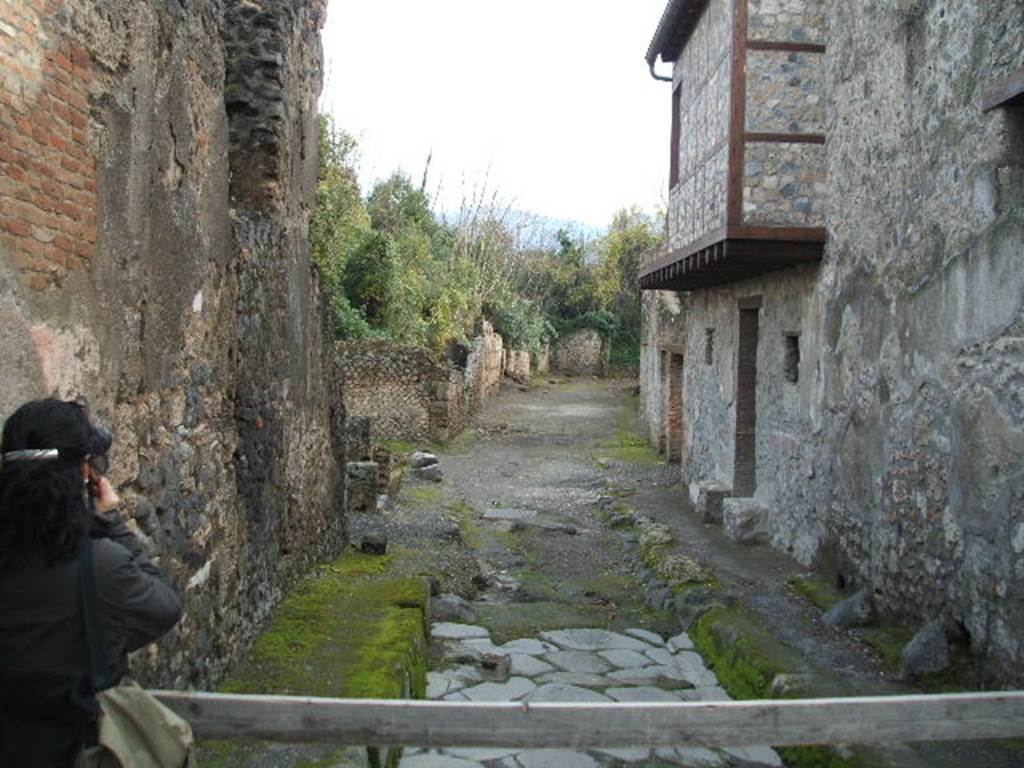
[
  {"x": 784, "y": 45},
  {"x": 785, "y": 138},
  {"x": 869, "y": 720}
]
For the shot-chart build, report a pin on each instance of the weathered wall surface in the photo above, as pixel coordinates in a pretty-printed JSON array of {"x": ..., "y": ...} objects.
[
  {"x": 697, "y": 204},
  {"x": 394, "y": 386},
  {"x": 409, "y": 393},
  {"x": 141, "y": 268},
  {"x": 581, "y": 353},
  {"x": 897, "y": 449},
  {"x": 664, "y": 318},
  {"x": 923, "y": 335}
]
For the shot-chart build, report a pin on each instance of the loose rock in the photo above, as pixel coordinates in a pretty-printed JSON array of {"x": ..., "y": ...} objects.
[
  {"x": 927, "y": 653},
  {"x": 374, "y": 544},
  {"x": 855, "y": 611},
  {"x": 421, "y": 459},
  {"x": 434, "y": 473}
]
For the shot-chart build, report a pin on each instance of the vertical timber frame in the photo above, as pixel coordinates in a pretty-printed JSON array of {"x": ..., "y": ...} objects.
[{"x": 737, "y": 113}]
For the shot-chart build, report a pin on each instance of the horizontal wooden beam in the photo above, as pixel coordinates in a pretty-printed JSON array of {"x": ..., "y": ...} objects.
[
  {"x": 869, "y": 720},
  {"x": 784, "y": 138},
  {"x": 784, "y": 45}
]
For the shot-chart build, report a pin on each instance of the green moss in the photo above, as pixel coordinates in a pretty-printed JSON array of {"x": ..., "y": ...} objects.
[
  {"x": 352, "y": 632},
  {"x": 888, "y": 640},
  {"x": 400, "y": 447},
  {"x": 826, "y": 757},
  {"x": 816, "y": 590},
  {"x": 630, "y": 444},
  {"x": 422, "y": 494}
]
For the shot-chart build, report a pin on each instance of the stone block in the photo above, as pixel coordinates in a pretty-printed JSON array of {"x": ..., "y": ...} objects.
[
  {"x": 745, "y": 520},
  {"x": 362, "y": 486},
  {"x": 357, "y": 437},
  {"x": 707, "y": 498}
]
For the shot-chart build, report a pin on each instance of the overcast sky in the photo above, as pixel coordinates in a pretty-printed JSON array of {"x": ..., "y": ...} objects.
[{"x": 552, "y": 97}]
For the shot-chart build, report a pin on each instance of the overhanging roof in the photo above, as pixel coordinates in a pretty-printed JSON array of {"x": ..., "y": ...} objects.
[
  {"x": 677, "y": 24},
  {"x": 734, "y": 253}
]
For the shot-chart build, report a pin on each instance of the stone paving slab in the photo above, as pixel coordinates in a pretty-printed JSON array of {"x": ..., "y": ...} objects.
[
  {"x": 437, "y": 761},
  {"x": 592, "y": 640},
  {"x": 527, "y": 646},
  {"x": 624, "y": 659},
  {"x": 511, "y": 690},
  {"x": 579, "y": 661},
  {"x": 645, "y": 693},
  {"x": 453, "y": 631},
  {"x": 693, "y": 757},
  {"x": 528, "y": 666},
  {"x": 555, "y": 758},
  {"x": 680, "y": 642},
  {"x": 583, "y": 679},
  {"x": 565, "y": 693},
  {"x": 648, "y": 637}
]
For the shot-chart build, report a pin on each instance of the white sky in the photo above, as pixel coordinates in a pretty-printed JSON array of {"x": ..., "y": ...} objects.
[{"x": 553, "y": 97}]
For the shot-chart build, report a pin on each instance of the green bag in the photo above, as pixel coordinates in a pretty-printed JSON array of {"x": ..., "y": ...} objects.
[{"x": 135, "y": 730}]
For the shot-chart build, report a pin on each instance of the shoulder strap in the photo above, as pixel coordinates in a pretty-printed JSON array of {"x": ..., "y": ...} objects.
[{"x": 97, "y": 680}]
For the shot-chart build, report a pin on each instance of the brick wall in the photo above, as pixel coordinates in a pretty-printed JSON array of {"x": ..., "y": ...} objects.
[{"x": 47, "y": 174}]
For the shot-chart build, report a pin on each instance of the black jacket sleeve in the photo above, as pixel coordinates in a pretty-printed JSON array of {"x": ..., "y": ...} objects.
[{"x": 136, "y": 602}]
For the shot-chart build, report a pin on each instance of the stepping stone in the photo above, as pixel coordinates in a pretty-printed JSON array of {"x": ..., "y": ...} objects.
[
  {"x": 452, "y": 631},
  {"x": 511, "y": 690},
  {"x": 625, "y": 659},
  {"x": 527, "y": 645},
  {"x": 680, "y": 642},
  {"x": 642, "y": 693},
  {"x": 757, "y": 756},
  {"x": 592, "y": 640},
  {"x": 664, "y": 677},
  {"x": 479, "y": 754},
  {"x": 527, "y": 666},
  {"x": 437, "y": 685},
  {"x": 693, "y": 757},
  {"x": 555, "y": 758},
  {"x": 579, "y": 661},
  {"x": 437, "y": 761},
  {"x": 564, "y": 693},
  {"x": 457, "y": 696},
  {"x": 647, "y": 637},
  {"x": 584, "y": 679},
  {"x": 483, "y": 645},
  {"x": 706, "y": 693},
  {"x": 627, "y": 755},
  {"x": 692, "y": 667},
  {"x": 661, "y": 656}
]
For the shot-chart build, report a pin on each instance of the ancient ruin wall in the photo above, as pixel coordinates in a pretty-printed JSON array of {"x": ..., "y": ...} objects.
[
  {"x": 395, "y": 387},
  {"x": 664, "y": 318},
  {"x": 191, "y": 321},
  {"x": 410, "y": 393},
  {"x": 697, "y": 204},
  {"x": 924, "y": 330},
  {"x": 581, "y": 353}
]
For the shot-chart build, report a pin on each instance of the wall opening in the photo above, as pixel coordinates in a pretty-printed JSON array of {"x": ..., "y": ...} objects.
[
  {"x": 674, "y": 419},
  {"x": 663, "y": 371},
  {"x": 791, "y": 357},
  {"x": 677, "y": 105},
  {"x": 745, "y": 463}
]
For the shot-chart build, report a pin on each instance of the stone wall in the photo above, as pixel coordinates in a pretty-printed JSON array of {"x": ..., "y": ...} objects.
[
  {"x": 152, "y": 264},
  {"x": 697, "y": 204},
  {"x": 888, "y": 421},
  {"x": 410, "y": 393},
  {"x": 581, "y": 353}
]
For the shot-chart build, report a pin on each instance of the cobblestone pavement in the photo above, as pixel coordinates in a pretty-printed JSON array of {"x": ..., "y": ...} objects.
[
  {"x": 560, "y": 613},
  {"x": 578, "y": 665}
]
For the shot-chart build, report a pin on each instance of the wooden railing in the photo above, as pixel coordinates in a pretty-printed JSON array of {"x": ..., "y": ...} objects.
[{"x": 359, "y": 722}]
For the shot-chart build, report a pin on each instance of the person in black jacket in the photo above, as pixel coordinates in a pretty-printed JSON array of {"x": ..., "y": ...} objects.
[{"x": 51, "y": 496}]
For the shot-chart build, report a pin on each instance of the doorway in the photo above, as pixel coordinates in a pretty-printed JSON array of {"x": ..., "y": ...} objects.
[
  {"x": 674, "y": 410},
  {"x": 744, "y": 482}
]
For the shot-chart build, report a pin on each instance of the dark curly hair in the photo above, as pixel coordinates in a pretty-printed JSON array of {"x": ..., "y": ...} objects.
[{"x": 42, "y": 503}]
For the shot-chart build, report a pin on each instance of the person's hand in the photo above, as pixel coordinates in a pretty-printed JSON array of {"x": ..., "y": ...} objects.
[{"x": 106, "y": 497}]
